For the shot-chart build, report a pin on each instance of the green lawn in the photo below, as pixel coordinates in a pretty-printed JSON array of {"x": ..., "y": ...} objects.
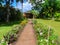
[
  {"x": 54, "y": 24},
  {"x": 4, "y": 28}
]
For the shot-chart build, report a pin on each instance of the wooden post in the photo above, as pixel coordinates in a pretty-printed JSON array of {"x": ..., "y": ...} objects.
[{"x": 48, "y": 35}]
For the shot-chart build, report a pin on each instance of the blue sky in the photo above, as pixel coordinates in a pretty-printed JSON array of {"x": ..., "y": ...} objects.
[{"x": 26, "y": 6}]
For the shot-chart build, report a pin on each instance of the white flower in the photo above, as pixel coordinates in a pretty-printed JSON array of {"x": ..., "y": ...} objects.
[
  {"x": 41, "y": 33},
  {"x": 2, "y": 41},
  {"x": 7, "y": 43},
  {"x": 46, "y": 40},
  {"x": 52, "y": 41}
]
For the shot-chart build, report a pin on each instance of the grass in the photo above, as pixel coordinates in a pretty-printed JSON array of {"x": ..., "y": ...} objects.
[
  {"x": 52, "y": 23},
  {"x": 4, "y": 28}
]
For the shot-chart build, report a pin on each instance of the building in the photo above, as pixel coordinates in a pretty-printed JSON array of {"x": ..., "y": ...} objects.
[{"x": 28, "y": 15}]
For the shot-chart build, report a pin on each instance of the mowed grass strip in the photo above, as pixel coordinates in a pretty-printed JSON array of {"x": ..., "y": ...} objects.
[{"x": 53, "y": 24}]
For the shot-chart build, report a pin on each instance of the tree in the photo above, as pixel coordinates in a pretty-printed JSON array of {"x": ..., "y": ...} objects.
[
  {"x": 58, "y": 5},
  {"x": 35, "y": 13},
  {"x": 46, "y": 9},
  {"x": 7, "y": 6}
]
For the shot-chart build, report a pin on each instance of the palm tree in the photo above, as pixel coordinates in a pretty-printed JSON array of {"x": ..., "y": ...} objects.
[
  {"x": 8, "y": 3},
  {"x": 7, "y": 6}
]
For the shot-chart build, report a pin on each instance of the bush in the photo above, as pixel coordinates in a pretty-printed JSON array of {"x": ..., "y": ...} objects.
[
  {"x": 35, "y": 13},
  {"x": 57, "y": 16},
  {"x": 13, "y": 34},
  {"x": 45, "y": 34},
  {"x": 23, "y": 22},
  {"x": 3, "y": 42},
  {"x": 15, "y": 14}
]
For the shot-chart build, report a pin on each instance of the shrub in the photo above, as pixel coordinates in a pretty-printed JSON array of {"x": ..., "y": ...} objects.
[
  {"x": 23, "y": 23},
  {"x": 57, "y": 16},
  {"x": 13, "y": 34},
  {"x": 45, "y": 34},
  {"x": 35, "y": 13},
  {"x": 3, "y": 42},
  {"x": 15, "y": 14},
  {"x": 10, "y": 37}
]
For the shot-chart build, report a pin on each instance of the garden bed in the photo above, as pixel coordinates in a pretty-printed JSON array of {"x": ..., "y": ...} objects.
[
  {"x": 45, "y": 35},
  {"x": 12, "y": 35}
]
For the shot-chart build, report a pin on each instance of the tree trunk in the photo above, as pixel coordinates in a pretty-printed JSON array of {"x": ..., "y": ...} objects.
[
  {"x": 7, "y": 18},
  {"x": 8, "y": 14}
]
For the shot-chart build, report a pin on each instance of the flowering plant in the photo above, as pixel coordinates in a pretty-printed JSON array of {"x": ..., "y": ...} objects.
[{"x": 45, "y": 34}]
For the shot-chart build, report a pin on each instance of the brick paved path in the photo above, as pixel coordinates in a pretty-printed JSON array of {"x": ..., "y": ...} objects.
[{"x": 27, "y": 37}]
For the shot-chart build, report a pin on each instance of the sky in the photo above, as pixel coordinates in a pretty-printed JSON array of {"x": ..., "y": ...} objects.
[{"x": 26, "y": 6}]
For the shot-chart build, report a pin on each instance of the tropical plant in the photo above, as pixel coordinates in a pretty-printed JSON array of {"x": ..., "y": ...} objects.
[
  {"x": 7, "y": 6},
  {"x": 57, "y": 15},
  {"x": 35, "y": 13},
  {"x": 45, "y": 35},
  {"x": 46, "y": 8},
  {"x": 12, "y": 35}
]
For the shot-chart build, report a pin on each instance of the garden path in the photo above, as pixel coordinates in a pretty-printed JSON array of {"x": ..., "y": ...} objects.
[{"x": 27, "y": 37}]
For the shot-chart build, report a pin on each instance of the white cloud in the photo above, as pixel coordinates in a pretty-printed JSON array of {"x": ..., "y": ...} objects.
[
  {"x": 19, "y": 5},
  {"x": 26, "y": 6}
]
